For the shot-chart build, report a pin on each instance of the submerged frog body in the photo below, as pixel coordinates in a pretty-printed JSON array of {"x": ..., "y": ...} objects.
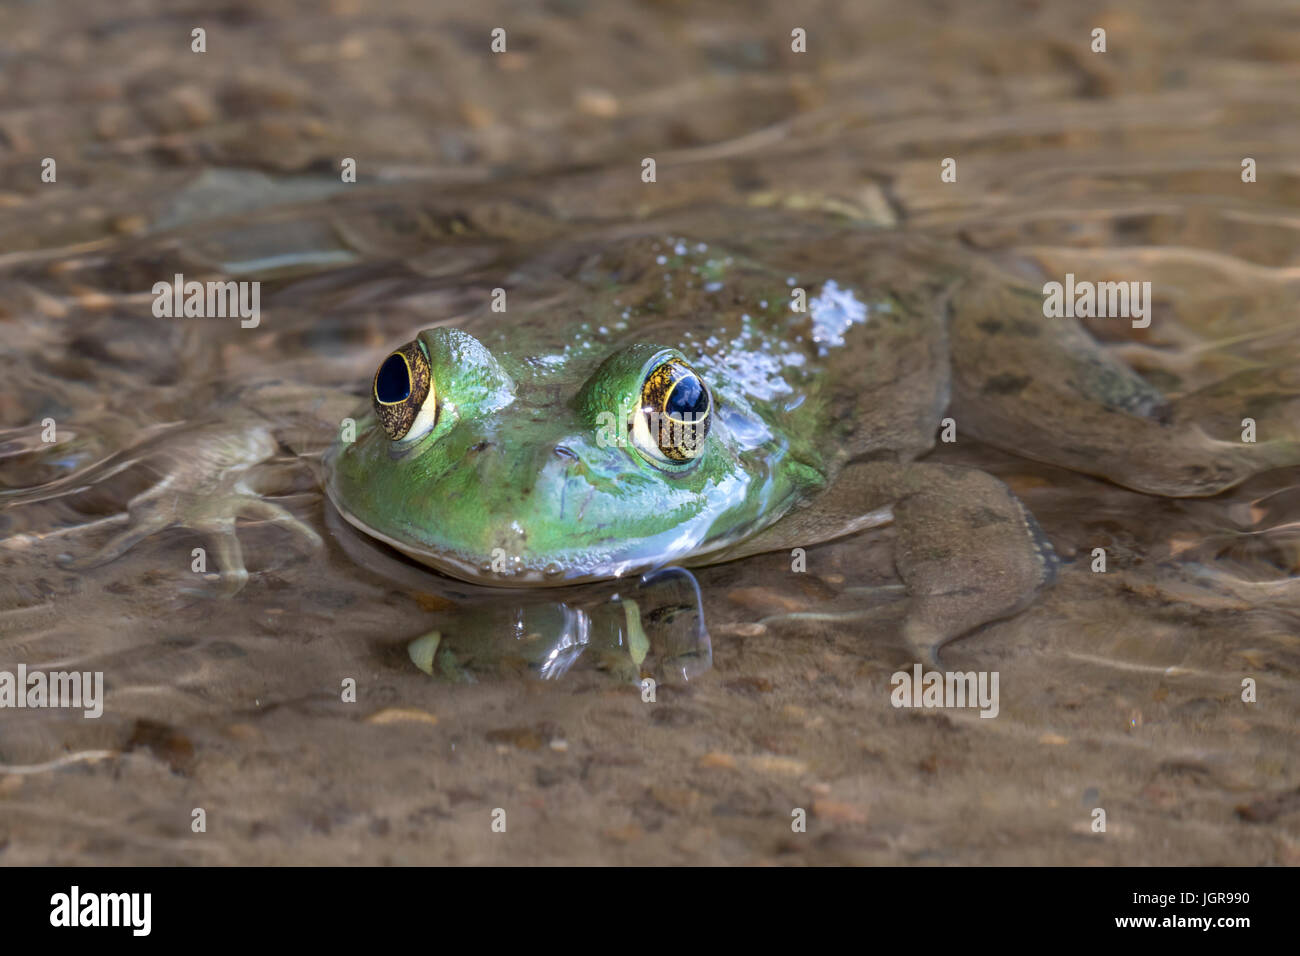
[
  {"x": 801, "y": 377},
  {"x": 689, "y": 404},
  {"x": 536, "y": 452}
]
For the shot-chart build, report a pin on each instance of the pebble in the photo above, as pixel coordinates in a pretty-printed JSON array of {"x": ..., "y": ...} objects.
[
  {"x": 595, "y": 102},
  {"x": 92, "y": 299},
  {"x": 433, "y": 602},
  {"x": 399, "y": 715},
  {"x": 630, "y": 833},
  {"x": 838, "y": 811},
  {"x": 676, "y": 799},
  {"x": 782, "y": 765},
  {"x": 242, "y": 732},
  {"x": 192, "y": 105},
  {"x": 766, "y": 599},
  {"x": 724, "y": 761}
]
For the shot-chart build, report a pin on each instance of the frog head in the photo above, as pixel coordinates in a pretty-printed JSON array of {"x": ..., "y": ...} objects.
[{"x": 529, "y": 470}]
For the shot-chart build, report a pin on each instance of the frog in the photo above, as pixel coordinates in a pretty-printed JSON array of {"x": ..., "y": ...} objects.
[
  {"x": 813, "y": 421},
  {"x": 700, "y": 406},
  {"x": 699, "y": 388}
]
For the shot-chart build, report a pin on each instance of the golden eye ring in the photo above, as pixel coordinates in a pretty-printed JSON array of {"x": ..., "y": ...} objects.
[
  {"x": 676, "y": 406},
  {"x": 403, "y": 394}
]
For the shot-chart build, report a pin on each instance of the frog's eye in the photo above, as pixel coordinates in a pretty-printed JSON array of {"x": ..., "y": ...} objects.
[
  {"x": 403, "y": 394},
  {"x": 674, "y": 415}
]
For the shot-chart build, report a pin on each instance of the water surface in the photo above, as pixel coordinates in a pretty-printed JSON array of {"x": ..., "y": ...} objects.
[{"x": 1118, "y": 690}]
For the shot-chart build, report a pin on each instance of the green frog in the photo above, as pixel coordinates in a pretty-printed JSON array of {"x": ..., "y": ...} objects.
[{"x": 695, "y": 389}]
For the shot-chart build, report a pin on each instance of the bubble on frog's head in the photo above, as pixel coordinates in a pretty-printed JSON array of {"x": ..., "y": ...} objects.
[{"x": 834, "y": 311}]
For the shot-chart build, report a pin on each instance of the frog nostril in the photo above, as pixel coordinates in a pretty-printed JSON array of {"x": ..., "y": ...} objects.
[
  {"x": 480, "y": 445},
  {"x": 564, "y": 451}
]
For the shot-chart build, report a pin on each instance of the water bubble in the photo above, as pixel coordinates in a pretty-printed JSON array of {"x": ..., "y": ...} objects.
[{"x": 833, "y": 312}]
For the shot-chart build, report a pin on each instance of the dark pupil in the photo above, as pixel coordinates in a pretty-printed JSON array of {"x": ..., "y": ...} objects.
[
  {"x": 688, "y": 398},
  {"x": 393, "y": 383}
]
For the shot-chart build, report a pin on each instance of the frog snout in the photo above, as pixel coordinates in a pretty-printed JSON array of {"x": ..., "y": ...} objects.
[{"x": 523, "y": 493}]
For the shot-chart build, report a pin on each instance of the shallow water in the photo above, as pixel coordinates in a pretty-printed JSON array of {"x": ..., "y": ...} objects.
[{"x": 1119, "y": 690}]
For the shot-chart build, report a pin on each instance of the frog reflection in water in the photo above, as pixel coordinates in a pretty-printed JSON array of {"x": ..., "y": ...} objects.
[{"x": 527, "y": 448}]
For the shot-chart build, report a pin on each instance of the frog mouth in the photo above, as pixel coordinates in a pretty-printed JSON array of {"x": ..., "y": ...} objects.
[{"x": 506, "y": 573}]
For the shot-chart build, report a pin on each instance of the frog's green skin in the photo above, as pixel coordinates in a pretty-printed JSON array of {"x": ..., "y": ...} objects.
[
  {"x": 819, "y": 417},
  {"x": 531, "y": 463}
]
